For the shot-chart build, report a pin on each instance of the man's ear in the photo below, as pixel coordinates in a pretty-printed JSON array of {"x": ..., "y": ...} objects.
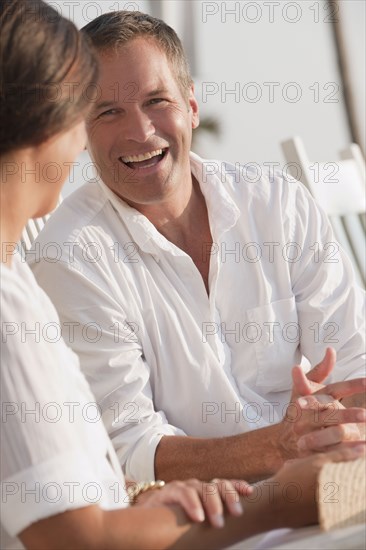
[{"x": 193, "y": 106}]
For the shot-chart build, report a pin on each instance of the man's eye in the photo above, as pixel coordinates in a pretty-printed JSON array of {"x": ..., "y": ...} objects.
[
  {"x": 156, "y": 100},
  {"x": 107, "y": 113}
]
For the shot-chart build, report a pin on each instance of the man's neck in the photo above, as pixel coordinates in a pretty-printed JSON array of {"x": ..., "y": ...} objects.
[
  {"x": 184, "y": 221},
  {"x": 189, "y": 229},
  {"x": 177, "y": 216}
]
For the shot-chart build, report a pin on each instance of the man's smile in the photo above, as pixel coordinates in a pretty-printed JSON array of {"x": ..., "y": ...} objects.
[{"x": 144, "y": 160}]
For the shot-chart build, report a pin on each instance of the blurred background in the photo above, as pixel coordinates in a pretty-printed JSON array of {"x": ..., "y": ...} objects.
[{"x": 264, "y": 71}]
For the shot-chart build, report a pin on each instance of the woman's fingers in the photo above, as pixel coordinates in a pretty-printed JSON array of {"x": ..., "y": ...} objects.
[
  {"x": 220, "y": 495},
  {"x": 201, "y": 500}
]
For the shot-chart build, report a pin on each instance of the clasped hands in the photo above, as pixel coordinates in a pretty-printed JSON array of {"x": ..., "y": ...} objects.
[
  {"x": 316, "y": 423},
  {"x": 316, "y": 420}
]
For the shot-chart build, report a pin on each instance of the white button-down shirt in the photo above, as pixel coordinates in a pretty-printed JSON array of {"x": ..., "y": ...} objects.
[
  {"x": 162, "y": 356},
  {"x": 55, "y": 452}
]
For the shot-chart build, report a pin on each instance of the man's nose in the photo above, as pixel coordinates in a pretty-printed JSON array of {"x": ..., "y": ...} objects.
[{"x": 138, "y": 127}]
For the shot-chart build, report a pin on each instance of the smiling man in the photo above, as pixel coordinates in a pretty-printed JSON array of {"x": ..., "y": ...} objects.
[{"x": 187, "y": 340}]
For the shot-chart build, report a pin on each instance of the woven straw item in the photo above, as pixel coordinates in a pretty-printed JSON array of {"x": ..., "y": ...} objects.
[{"x": 342, "y": 494}]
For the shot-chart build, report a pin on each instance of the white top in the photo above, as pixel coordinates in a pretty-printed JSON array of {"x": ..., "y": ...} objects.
[
  {"x": 164, "y": 358},
  {"x": 53, "y": 444}
]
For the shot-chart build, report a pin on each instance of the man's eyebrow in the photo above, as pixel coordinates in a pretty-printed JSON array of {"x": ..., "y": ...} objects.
[
  {"x": 157, "y": 91},
  {"x": 104, "y": 104},
  {"x": 111, "y": 103}
]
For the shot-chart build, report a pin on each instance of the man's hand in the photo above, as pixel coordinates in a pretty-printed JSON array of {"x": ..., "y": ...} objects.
[
  {"x": 200, "y": 500},
  {"x": 317, "y": 421},
  {"x": 325, "y": 423}
]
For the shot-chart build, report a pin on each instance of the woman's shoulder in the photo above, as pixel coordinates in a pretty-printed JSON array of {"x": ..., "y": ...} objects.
[{"x": 19, "y": 290}]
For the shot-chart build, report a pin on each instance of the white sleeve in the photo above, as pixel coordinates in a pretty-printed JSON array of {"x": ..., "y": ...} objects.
[
  {"x": 112, "y": 359},
  {"x": 330, "y": 304},
  {"x": 40, "y": 449}
]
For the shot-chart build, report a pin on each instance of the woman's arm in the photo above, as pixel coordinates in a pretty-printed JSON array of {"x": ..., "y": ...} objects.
[{"x": 268, "y": 508}]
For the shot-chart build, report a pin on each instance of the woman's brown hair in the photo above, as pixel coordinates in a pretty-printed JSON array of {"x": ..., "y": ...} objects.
[{"x": 46, "y": 69}]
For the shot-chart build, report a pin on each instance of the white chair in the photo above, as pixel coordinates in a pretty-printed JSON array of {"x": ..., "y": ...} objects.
[
  {"x": 339, "y": 188},
  {"x": 32, "y": 229}
]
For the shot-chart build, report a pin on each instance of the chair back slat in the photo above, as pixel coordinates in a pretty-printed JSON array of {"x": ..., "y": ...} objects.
[{"x": 339, "y": 188}]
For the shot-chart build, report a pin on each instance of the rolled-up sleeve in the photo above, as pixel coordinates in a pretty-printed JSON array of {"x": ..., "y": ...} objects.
[
  {"x": 45, "y": 489},
  {"x": 45, "y": 464},
  {"x": 109, "y": 348}
]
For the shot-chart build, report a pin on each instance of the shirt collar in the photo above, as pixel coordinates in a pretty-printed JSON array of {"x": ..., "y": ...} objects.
[
  {"x": 223, "y": 212},
  {"x": 141, "y": 229}
]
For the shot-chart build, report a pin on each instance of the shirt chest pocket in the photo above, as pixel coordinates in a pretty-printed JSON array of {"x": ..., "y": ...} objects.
[{"x": 277, "y": 336}]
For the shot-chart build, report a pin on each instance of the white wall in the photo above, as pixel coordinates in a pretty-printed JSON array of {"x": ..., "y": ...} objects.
[
  {"x": 84, "y": 11},
  {"x": 283, "y": 45},
  {"x": 353, "y": 13},
  {"x": 235, "y": 52}
]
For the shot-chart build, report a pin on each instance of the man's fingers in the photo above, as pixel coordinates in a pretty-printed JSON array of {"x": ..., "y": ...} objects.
[
  {"x": 345, "y": 388},
  {"x": 301, "y": 384},
  {"x": 321, "y": 411},
  {"x": 342, "y": 452},
  {"x": 322, "y": 439},
  {"x": 319, "y": 402},
  {"x": 333, "y": 416},
  {"x": 324, "y": 415},
  {"x": 347, "y": 451},
  {"x": 323, "y": 369}
]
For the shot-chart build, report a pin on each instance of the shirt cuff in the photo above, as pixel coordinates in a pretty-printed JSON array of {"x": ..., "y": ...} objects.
[
  {"x": 140, "y": 465},
  {"x": 46, "y": 489}
]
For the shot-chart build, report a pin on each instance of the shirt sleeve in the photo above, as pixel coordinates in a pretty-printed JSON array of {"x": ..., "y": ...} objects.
[
  {"x": 111, "y": 356},
  {"x": 42, "y": 459},
  {"x": 330, "y": 304}
]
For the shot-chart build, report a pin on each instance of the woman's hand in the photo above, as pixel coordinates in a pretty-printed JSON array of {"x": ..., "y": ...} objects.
[
  {"x": 200, "y": 500},
  {"x": 295, "y": 485}
]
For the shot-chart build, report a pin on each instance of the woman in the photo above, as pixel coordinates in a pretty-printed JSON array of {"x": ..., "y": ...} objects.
[{"x": 61, "y": 483}]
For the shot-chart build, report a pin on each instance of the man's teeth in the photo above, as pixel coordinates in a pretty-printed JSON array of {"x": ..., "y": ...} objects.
[{"x": 145, "y": 156}]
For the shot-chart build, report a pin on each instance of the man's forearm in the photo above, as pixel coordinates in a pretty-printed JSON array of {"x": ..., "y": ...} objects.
[
  {"x": 252, "y": 456},
  {"x": 258, "y": 454}
]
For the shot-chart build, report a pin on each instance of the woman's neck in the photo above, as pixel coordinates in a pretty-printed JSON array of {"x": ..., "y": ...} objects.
[
  {"x": 11, "y": 227},
  {"x": 15, "y": 207}
]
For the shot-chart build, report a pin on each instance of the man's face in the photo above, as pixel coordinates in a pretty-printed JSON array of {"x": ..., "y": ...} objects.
[{"x": 140, "y": 131}]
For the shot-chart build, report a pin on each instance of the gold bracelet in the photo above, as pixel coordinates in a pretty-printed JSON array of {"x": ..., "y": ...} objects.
[{"x": 137, "y": 489}]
